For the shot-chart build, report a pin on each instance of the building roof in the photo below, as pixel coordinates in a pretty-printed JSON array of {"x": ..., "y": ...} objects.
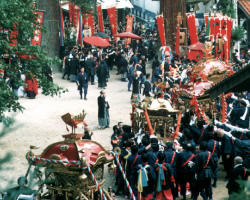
[
  {"x": 238, "y": 82},
  {"x": 245, "y": 6}
]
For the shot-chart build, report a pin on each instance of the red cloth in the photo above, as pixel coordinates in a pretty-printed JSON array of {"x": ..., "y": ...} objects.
[
  {"x": 161, "y": 29},
  {"x": 192, "y": 28},
  {"x": 177, "y": 46},
  {"x": 32, "y": 85},
  {"x": 167, "y": 194},
  {"x": 112, "y": 19},
  {"x": 140, "y": 197},
  {"x": 192, "y": 54},
  {"x": 100, "y": 18},
  {"x": 91, "y": 24},
  {"x": 130, "y": 19}
]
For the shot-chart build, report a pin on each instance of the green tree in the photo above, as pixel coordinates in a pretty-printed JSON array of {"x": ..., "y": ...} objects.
[{"x": 19, "y": 15}]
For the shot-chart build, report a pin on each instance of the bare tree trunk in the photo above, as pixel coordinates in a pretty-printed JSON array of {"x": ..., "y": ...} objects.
[{"x": 50, "y": 40}]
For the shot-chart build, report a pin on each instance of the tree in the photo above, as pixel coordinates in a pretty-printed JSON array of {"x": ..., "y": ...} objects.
[{"x": 18, "y": 16}]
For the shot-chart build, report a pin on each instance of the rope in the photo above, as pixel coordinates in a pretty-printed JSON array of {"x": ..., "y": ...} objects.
[
  {"x": 123, "y": 174},
  {"x": 77, "y": 162},
  {"x": 96, "y": 182}
]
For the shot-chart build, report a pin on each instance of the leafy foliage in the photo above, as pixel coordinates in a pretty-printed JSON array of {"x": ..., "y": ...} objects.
[
  {"x": 227, "y": 7},
  {"x": 237, "y": 33},
  {"x": 19, "y": 15}
]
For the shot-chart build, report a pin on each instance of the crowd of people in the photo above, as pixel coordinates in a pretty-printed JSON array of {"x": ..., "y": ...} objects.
[{"x": 156, "y": 170}]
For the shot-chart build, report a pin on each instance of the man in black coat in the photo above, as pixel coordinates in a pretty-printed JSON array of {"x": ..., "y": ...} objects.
[
  {"x": 185, "y": 164},
  {"x": 67, "y": 61},
  {"x": 103, "y": 113},
  {"x": 147, "y": 86},
  {"x": 74, "y": 68},
  {"x": 123, "y": 66},
  {"x": 214, "y": 148},
  {"x": 204, "y": 164},
  {"x": 82, "y": 82},
  {"x": 136, "y": 87},
  {"x": 102, "y": 74},
  {"x": 90, "y": 65},
  {"x": 239, "y": 174}
]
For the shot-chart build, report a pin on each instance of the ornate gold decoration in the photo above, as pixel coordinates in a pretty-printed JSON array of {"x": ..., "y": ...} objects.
[
  {"x": 64, "y": 147},
  {"x": 55, "y": 157}
]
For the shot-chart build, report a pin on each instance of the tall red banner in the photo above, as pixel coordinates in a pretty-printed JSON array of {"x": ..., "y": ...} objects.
[
  {"x": 38, "y": 33},
  {"x": 91, "y": 24},
  {"x": 112, "y": 19},
  {"x": 161, "y": 29},
  {"x": 70, "y": 13},
  {"x": 13, "y": 36},
  {"x": 100, "y": 19},
  {"x": 177, "y": 45},
  {"x": 130, "y": 19},
  {"x": 229, "y": 32},
  {"x": 192, "y": 28}
]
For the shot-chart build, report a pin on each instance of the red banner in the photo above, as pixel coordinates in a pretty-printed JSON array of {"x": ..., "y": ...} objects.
[
  {"x": 229, "y": 32},
  {"x": 177, "y": 45},
  {"x": 38, "y": 33},
  {"x": 192, "y": 28},
  {"x": 13, "y": 36},
  {"x": 70, "y": 13},
  {"x": 112, "y": 19},
  {"x": 161, "y": 29},
  {"x": 91, "y": 24},
  {"x": 130, "y": 19},
  {"x": 206, "y": 20},
  {"x": 100, "y": 19}
]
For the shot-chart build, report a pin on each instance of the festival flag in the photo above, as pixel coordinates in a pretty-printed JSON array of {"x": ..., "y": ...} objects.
[
  {"x": 206, "y": 20},
  {"x": 161, "y": 29},
  {"x": 112, "y": 19},
  {"x": 80, "y": 35},
  {"x": 13, "y": 36},
  {"x": 130, "y": 19},
  {"x": 62, "y": 33},
  {"x": 177, "y": 45},
  {"x": 229, "y": 32},
  {"x": 91, "y": 24},
  {"x": 100, "y": 18},
  {"x": 192, "y": 28},
  {"x": 70, "y": 13}
]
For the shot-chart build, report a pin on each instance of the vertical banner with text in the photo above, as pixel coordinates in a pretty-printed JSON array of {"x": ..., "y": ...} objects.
[
  {"x": 192, "y": 28},
  {"x": 112, "y": 19},
  {"x": 130, "y": 19},
  {"x": 161, "y": 29},
  {"x": 177, "y": 45},
  {"x": 13, "y": 36},
  {"x": 37, "y": 40},
  {"x": 91, "y": 24},
  {"x": 100, "y": 19}
]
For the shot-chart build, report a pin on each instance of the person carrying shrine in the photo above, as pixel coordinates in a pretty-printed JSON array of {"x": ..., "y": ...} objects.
[
  {"x": 204, "y": 164},
  {"x": 165, "y": 178},
  {"x": 145, "y": 178}
]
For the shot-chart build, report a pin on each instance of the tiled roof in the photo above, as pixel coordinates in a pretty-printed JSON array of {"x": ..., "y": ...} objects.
[{"x": 245, "y": 4}]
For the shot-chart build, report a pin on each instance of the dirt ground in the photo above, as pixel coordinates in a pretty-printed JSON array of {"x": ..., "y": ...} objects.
[{"x": 40, "y": 125}]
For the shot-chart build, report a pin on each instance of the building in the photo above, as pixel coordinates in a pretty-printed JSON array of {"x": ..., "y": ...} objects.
[
  {"x": 145, "y": 10},
  {"x": 244, "y": 20}
]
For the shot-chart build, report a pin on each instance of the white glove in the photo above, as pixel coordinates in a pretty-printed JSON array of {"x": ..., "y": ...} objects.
[
  {"x": 191, "y": 164},
  {"x": 195, "y": 176}
]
